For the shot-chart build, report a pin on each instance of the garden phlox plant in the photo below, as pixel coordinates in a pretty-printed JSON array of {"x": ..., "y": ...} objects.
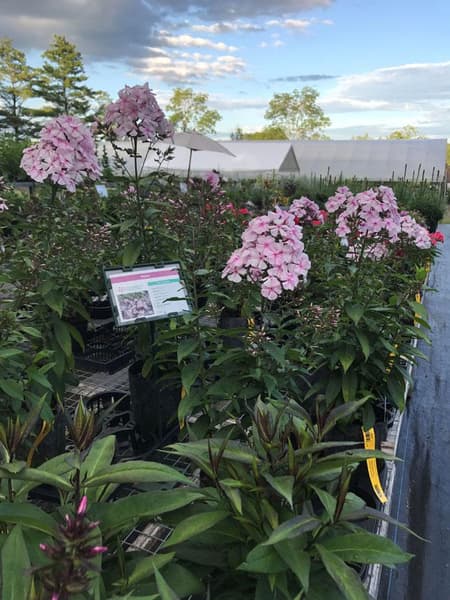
[
  {"x": 137, "y": 114},
  {"x": 307, "y": 211},
  {"x": 370, "y": 222},
  {"x": 272, "y": 254},
  {"x": 65, "y": 154}
]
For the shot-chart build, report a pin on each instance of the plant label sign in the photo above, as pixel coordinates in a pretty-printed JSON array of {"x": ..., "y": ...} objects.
[{"x": 146, "y": 293}]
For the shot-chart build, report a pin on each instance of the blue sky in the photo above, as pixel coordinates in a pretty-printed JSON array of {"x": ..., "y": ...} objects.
[{"x": 377, "y": 64}]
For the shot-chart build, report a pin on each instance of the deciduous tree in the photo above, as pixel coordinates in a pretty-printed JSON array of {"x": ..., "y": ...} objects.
[
  {"x": 189, "y": 111},
  {"x": 15, "y": 89},
  {"x": 298, "y": 114}
]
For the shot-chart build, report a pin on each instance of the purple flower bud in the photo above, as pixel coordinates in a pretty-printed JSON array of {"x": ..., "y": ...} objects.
[
  {"x": 98, "y": 550},
  {"x": 43, "y": 547},
  {"x": 82, "y": 507}
]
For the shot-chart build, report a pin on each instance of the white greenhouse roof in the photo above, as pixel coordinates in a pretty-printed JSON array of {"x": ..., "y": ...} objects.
[
  {"x": 372, "y": 159},
  {"x": 250, "y": 159},
  {"x": 375, "y": 160}
]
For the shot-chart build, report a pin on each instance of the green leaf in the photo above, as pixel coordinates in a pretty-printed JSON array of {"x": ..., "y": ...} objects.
[
  {"x": 165, "y": 591},
  {"x": 36, "y": 476},
  {"x": 10, "y": 352},
  {"x": 145, "y": 567},
  {"x": 186, "y": 347},
  {"x": 116, "y": 516},
  {"x": 234, "y": 496},
  {"x": 345, "y": 578},
  {"x": 419, "y": 309},
  {"x": 366, "y": 548},
  {"x": 342, "y": 412},
  {"x": 349, "y": 386},
  {"x": 27, "y": 515},
  {"x": 16, "y": 576},
  {"x": 131, "y": 253},
  {"x": 355, "y": 312},
  {"x": 396, "y": 389},
  {"x": 283, "y": 484},
  {"x": 276, "y": 352},
  {"x": 298, "y": 561},
  {"x": 100, "y": 457},
  {"x": 55, "y": 300},
  {"x": 363, "y": 342},
  {"x": 346, "y": 356},
  {"x": 62, "y": 335},
  {"x": 12, "y": 388},
  {"x": 292, "y": 528},
  {"x": 36, "y": 375},
  {"x": 137, "y": 471},
  {"x": 195, "y": 525},
  {"x": 30, "y": 331},
  {"x": 328, "y": 501},
  {"x": 263, "y": 559},
  {"x": 189, "y": 374}
]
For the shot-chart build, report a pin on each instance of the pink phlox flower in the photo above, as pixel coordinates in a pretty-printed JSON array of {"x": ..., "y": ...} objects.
[
  {"x": 65, "y": 154},
  {"x": 306, "y": 210},
  {"x": 213, "y": 179},
  {"x": 271, "y": 288},
  {"x": 3, "y": 205},
  {"x": 137, "y": 114}
]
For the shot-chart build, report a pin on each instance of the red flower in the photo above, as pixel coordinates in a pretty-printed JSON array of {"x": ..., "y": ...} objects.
[
  {"x": 436, "y": 237},
  {"x": 244, "y": 211}
]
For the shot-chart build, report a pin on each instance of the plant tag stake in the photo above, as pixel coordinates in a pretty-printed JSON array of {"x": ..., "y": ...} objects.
[{"x": 369, "y": 444}]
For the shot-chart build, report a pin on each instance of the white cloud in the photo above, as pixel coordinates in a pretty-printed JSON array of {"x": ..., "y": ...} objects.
[
  {"x": 297, "y": 24},
  {"x": 190, "y": 68},
  {"x": 186, "y": 41},
  {"x": 227, "y": 27},
  {"x": 400, "y": 87}
]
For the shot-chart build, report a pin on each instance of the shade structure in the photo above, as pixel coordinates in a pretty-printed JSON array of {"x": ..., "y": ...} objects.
[{"x": 195, "y": 142}]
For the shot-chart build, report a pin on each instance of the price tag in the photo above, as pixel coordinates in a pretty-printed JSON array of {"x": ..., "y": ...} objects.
[{"x": 369, "y": 444}]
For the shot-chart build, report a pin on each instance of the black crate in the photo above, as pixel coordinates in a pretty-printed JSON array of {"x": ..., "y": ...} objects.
[{"x": 107, "y": 349}]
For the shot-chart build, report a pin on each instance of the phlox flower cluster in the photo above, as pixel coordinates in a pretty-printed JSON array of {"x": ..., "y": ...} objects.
[
  {"x": 65, "y": 154},
  {"x": 271, "y": 254},
  {"x": 137, "y": 114},
  {"x": 437, "y": 236},
  {"x": 370, "y": 222},
  {"x": 306, "y": 211},
  {"x": 213, "y": 179}
]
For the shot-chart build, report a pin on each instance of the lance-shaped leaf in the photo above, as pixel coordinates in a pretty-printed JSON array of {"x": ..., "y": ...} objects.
[
  {"x": 16, "y": 576},
  {"x": 292, "y": 528},
  {"x": 345, "y": 578},
  {"x": 366, "y": 548},
  {"x": 195, "y": 525},
  {"x": 137, "y": 471}
]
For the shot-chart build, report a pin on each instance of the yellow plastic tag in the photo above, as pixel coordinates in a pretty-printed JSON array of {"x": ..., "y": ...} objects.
[{"x": 369, "y": 444}]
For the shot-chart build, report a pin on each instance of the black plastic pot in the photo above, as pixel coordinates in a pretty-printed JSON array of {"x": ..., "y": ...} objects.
[
  {"x": 153, "y": 407},
  {"x": 100, "y": 308}
]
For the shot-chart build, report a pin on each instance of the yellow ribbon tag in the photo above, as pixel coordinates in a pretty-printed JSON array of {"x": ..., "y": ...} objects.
[{"x": 369, "y": 444}]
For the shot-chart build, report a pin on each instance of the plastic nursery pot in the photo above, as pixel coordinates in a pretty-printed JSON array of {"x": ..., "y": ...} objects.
[
  {"x": 100, "y": 308},
  {"x": 153, "y": 408}
]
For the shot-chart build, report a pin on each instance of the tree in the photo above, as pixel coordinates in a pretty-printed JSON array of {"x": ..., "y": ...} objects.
[
  {"x": 407, "y": 132},
  {"x": 60, "y": 80},
  {"x": 267, "y": 133},
  {"x": 298, "y": 114},
  {"x": 188, "y": 111},
  {"x": 362, "y": 137},
  {"x": 15, "y": 89}
]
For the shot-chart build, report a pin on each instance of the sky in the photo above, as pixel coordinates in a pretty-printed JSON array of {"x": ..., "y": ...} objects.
[{"x": 378, "y": 65}]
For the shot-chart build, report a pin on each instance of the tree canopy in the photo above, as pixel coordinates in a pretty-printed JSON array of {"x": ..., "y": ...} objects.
[
  {"x": 15, "y": 89},
  {"x": 188, "y": 111},
  {"x": 60, "y": 80},
  {"x": 267, "y": 133},
  {"x": 298, "y": 114}
]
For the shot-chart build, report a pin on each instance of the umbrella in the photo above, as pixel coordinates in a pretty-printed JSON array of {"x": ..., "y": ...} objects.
[{"x": 197, "y": 142}]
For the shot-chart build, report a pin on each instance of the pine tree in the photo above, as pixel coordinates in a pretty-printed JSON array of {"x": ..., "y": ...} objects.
[
  {"x": 60, "y": 80},
  {"x": 15, "y": 89}
]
